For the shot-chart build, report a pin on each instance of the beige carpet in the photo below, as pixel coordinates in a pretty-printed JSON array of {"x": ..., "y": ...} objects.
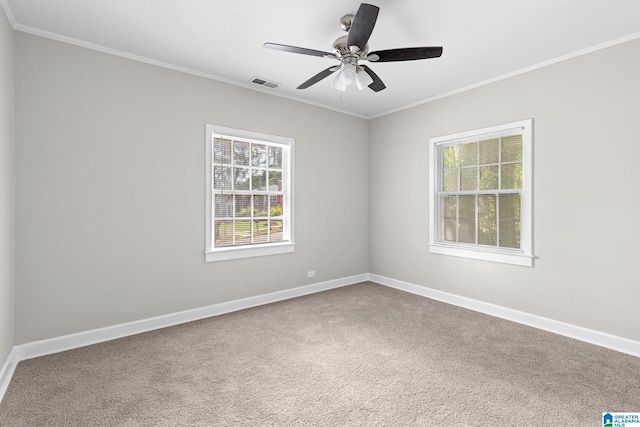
[{"x": 363, "y": 355}]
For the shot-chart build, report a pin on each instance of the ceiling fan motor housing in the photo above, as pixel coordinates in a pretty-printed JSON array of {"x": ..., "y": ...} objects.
[{"x": 341, "y": 49}]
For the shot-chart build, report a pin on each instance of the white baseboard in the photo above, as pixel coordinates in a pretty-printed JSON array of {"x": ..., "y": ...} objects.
[
  {"x": 591, "y": 336},
  {"x": 81, "y": 339},
  {"x": 6, "y": 372}
]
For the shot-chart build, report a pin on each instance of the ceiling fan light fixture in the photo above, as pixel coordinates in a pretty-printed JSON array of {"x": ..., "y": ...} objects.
[
  {"x": 338, "y": 84},
  {"x": 348, "y": 74},
  {"x": 363, "y": 79}
]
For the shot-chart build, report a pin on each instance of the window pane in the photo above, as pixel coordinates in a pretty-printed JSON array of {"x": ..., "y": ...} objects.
[
  {"x": 450, "y": 180},
  {"x": 260, "y": 206},
  {"x": 243, "y": 206},
  {"x": 223, "y": 206},
  {"x": 509, "y": 220},
  {"x": 512, "y": 176},
  {"x": 222, "y": 178},
  {"x": 468, "y": 179},
  {"x": 467, "y": 219},
  {"x": 223, "y": 231},
  {"x": 260, "y": 231},
  {"x": 469, "y": 154},
  {"x": 276, "y": 206},
  {"x": 275, "y": 180},
  {"x": 241, "y": 153},
  {"x": 241, "y": 178},
  {"x": 275, "y": 157},
  {"x": 276, "y": 230},
  {"x": 489, "y": 151},
  {"x": 221, "y": 151},
  {"x": 450, "y": 156},
  {"x": 489, "y": 177},
  {"x": 512, "y": 149},
  {"x": 259, "y": 180},
  {"x": 259, "y": 155},
  {"x": 243, "y": 232},
  {"x": 487, "y": 220},
  {"x": 449, "y": 220}
]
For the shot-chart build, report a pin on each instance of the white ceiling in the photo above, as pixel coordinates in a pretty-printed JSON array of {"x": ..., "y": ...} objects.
[{"x": 482, "y": 40}]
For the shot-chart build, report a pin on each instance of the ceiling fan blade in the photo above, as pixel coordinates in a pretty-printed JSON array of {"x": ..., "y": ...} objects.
[
  {"x": 377, "y": 84},
  {"x": 362, "y": 25},
  {"x": 407, "y": 54},
  {"x": 321, "y": 75},
  {"x": 295, "y": 49}
]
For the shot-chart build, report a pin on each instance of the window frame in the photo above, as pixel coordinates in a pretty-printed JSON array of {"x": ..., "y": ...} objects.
[
  {"x": 224, "y": 253},
  {"x": 523, "y": 256}
]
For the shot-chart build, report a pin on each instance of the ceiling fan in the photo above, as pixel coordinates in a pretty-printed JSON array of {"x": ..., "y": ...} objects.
[{"x": 352, "y": 48}]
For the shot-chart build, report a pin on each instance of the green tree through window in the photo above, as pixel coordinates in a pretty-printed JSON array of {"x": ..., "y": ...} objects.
[{"x": 479, "y": 205}]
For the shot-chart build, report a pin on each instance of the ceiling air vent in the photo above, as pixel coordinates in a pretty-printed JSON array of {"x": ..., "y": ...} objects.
[{"x": 264, "y": 82}]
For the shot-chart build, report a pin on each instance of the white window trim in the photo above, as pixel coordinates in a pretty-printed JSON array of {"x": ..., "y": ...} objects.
[
  {"x": 246, "y": 251},
  {"x": 524, "y": 256}
]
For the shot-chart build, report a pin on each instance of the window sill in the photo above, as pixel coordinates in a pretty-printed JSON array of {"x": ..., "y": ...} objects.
[
  {"x": 504, "y": 257},
  {"x": 237, "y": 252}
]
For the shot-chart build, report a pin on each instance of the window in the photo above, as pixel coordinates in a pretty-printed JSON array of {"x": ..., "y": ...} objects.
[
  {"x": 481, "y": 194},
  {"x": 249, "y": 194}
]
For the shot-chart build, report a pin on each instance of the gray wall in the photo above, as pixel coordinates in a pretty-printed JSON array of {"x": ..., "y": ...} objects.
[
  {"x": 110, "y": 191},
  {"x": 110, "y": 197},
  {"x": 7, "y": 270},
  {"x": 586, "y": 204}
]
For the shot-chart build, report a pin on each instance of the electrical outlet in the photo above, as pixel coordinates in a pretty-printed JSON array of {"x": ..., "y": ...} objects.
[{"x": 311, "y": 274}]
